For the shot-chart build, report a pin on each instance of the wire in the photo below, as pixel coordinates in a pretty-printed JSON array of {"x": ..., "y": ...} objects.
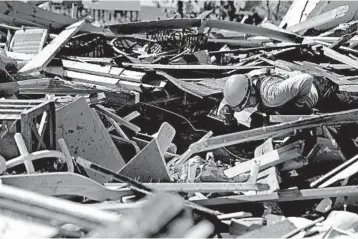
[
  {"x": 171, "y": 112},
  {"x": 234, "y": 155}
]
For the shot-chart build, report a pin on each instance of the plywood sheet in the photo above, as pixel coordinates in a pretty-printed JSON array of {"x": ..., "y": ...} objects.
[
  {"x": 63, "y": 183},
  {"x": 148, "y": 165},
  {"x": 86, "y": 136}
]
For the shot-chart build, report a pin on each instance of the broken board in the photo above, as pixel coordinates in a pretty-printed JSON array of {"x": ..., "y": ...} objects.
[
  {"x": 268, "y": 160},
  {"x": 87, "y": 137},
  {"x": 148, "y": 165},
  {"x": 63, "y": 183},
  {"x": 337, "y": 118},
  {"x": 165, "y": 136},
  {"x": 269, "y": 176},
  {"x": 40, "y": 61}
]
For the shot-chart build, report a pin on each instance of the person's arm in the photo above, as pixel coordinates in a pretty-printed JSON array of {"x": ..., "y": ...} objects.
[
  {"x": 297, "y": 87},
  {"x": 226, "y": 113}
]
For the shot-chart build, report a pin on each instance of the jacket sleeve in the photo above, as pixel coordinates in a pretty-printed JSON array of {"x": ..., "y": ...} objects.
[{"x": 297, "y": 87}]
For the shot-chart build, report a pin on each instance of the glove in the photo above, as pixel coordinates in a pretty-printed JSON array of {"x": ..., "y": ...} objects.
[{"x": 227, "y": 115}]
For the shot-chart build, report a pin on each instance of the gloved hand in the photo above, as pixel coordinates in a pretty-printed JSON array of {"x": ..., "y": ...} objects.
[{"x": 227, "y": 115}]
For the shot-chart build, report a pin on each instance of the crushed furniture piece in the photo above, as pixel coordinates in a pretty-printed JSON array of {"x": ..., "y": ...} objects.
[{"x": 29, "y": 114}]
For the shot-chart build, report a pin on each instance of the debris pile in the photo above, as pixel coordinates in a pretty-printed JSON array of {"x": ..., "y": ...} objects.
[{"x": 129, "y": 131}]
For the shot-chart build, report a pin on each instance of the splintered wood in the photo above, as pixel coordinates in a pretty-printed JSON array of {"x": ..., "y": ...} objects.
[
  {"x": 132, "y": 126},
  {"x": 46, "y": 54}
]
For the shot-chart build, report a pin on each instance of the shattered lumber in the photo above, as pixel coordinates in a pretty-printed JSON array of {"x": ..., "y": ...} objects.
[
  {"x": 40, "y": 61},
  {"x": 192, "y": 67},
  {"x": 268, "y": 160},
  {"x": 338, "y": 118},
  {"x": 288, "y": 195},
  {"x": 334, "y": 171},
  {"x": 199, "y": 187},
  {"x": 64, "y": 183},
  {"x": 117, "y": 118}
]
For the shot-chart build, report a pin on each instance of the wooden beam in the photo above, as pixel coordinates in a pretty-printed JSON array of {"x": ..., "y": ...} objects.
[
  {"x": 40, "y": 61},
  {"x": 64, "y": 183},
  {"x": 254, "y": 30},
  {"x": 319, "y": 20},
  {"x": 287, "y": 118},
  {"x": 337, "y": 118},
  {"x": 345, "y": 174},
  {"x": 106, "y": 70},
  {"x": 197, "y": 187},
  {"x": 268, "y": 160},
  {"x": 334, "y": 171},
  {"x": 191, "y": 67},
  {"x": 117, "y": 118},
  {"x": 339, "y": 57},
  {"x": 283, "y": 196}
]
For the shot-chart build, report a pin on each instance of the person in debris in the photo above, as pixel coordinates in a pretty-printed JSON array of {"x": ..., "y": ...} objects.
[{"x": 280, "y": 92}]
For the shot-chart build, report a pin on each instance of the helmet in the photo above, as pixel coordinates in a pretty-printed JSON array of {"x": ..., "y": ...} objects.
[{"x": 237, "y": 91}]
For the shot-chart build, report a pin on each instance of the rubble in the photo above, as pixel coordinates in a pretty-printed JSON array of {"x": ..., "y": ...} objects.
[{"x": 123, "y": 131}]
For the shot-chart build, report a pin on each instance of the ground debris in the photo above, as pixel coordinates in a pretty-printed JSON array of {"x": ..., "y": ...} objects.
[{"x": 186, "y": 127}]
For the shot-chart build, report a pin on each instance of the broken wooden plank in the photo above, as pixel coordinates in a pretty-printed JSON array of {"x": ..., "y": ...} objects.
[
  {"x": 114, "y": 83},
  {"x": 148, "y": 165},
  {"x": 117, "y": 128},
  {"x": 197, "y": 187},
  {"x": 345, "y": 174},
  {"x": 191, "y": 67},
  {"x": 190, "y": 88},
  {"x": 103, "y": 70},
  {"x": 334, "y": 171},
  {"x": 40, "y": 61},
  {"x": 319, "y": 20},
  {"x": 86, "y": 136},
  {"x": 127, "y": 118},
  {"x": 339, "y": 57},
  {"x": 337, "y": 118},
  {"x": 284, "y": 196},
  {"x": 117, "y": 118},
  {"x": 165, "y": 136},
  {"x": 56, "y": 91},
  {"x": 287, "y": 118},
  {"x": 64, "y": 183},
  {"x": 268, "y": 160},
  {"x": 253, "y": 30}
]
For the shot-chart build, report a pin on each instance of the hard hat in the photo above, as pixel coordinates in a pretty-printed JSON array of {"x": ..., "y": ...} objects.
[{"x": 237, "y": 91}]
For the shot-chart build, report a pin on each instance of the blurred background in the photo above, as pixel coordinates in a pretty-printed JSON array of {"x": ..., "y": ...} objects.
[{"x": 111, "y": 12}]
